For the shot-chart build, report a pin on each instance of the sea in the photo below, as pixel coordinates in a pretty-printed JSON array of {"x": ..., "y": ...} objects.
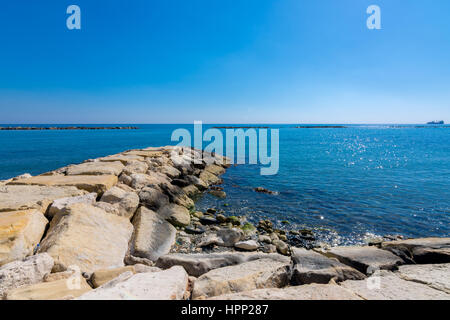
[{"x": 348, "y": 184}]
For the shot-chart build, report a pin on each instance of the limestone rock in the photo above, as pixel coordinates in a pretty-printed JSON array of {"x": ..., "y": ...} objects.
[
  {"x": 177, "y": 215},
  {"x": 249, "y": 245},
  {"x": 20, "y": 232},
  {"x": 97, "y": 184},
  {"x": 127, "y": 202},
  {"x": 169, "y": 171},
  {"x": 215, "y": 169},
  {"x": 87, "y": 237},
  {"x": 436, "y": 276},
  {"x": 136, "y": 167},
  {"x": 312, "y": 267},
  {"x": 153, "y": 198},
  {"x": 170, "y": 284},
  {"x": 425, "y": 250},
  {"x": 198, "y": 264},
  {"x": 305, "y": 292},
  {"x": 365, "y": 259},
  {"x": 153, "y": 236},
  {"x": 102, "y": 276},
  {"x": 96, "y": 168},
  {"x": 385, "y": 285},
  {"x": 197, "y": 182},
  {"x": 209, "y": 178},
  {"x": 141, "y": 180},
  {"x": 59, "y": 204},
  {"x": 31, "y": 270},
  {"x": 223, "y": 237},
  {"x": 108, "y": 207},
  {"x": 124, "y": 158},
  {"x": 191, "y": 191},
  {"x": 257, "y": 274},
  {"x": 33, "y": 197},
  {"x": 54, "y": 290},
  {"x": 146, "y": 153},
  {"x": 281, "y": 246}
]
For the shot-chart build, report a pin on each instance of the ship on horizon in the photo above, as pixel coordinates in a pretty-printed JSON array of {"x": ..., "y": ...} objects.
[{"x": 436, "y": 122}]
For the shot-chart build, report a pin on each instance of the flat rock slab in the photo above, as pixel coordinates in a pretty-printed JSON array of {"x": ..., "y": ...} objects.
[
  {"x": 87, "y": 237},
  {"x": 24, "y": 272},
  {"x": 257, "y": 274},
  {"x": 365, "y": 259},
  {"x": 424, "y": 250},
  {"x": 436, "y": 276},
  {"x": 125, "y": 159},
  {"x": 98, "y": 184},
  {"x": 200, "y": 263},
  {"x": 170, "y": 284},
  {"x": 304, "y": 292},
  {"x": 100, "y": 277},
  {"x": 20, "y": 232},
  {"x": 54, "y": 290},
  {"x": 153, "y": 236},
  {"x": 33, "y": 197},
  {"x": 60, "y": 204},
  {"x": 386, "y": 285},
  {"x": 312, "y": 267},
  {"x": 145, "y": 153},
  {"x": 96, "y": 168}
]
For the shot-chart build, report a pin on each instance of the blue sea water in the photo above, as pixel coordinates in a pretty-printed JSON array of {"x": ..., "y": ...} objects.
[{"x": 347, "y": 184}]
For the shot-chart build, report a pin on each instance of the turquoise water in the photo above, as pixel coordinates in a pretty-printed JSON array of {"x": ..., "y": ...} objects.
[{"x": 346, "y": 183}]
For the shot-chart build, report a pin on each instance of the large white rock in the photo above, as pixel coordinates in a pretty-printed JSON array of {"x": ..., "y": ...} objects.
[
  {"x": 60, "y": 204},
  {"x": 257, "y": 274},
  {"x": 436, "y": 276},
  {"x": 170, "y": 284},
  {"x": 96, "y": 168},
  {"x": 153, "y": 236},
  {"x": 87, "y": 237},
  {"x": 20, "y": 232},
  {"x": 304, "y": 292},
  {"x": 126, "y": 202},
  {"x": 18, "y": 273},
  {"x": 177, "y": 215},
  {"x": 386, "y": 285},
  {"x": 33, "y": 197},
  {"x": 423, "y": 250}
]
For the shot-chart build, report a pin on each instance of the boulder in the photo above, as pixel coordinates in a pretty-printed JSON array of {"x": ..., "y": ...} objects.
[
  {"x": 436, "y": 276},
  {"x": 365, "y": 259},
  {"x": 425, "y": 250},
  {"x": 215, "y": 169},
  {"x": 135, "y": 167},
  {"x": 224, "y": 237},
  {"x": 54, "y": 290},
  {"x": 96, "y": 168},
  {"x": 31, "y": 270},
  {"x": 305, "y": 292},
  {"x": 312, "y": 267},
  {"x": 169, "y": 171},
  {"x": 97, "y": 184},
  {"x": 197, "y": 264},
  {"x": 257, "y": 274},
  {"x": 126, "y": 202},
  {"x": 87, "y": 237},
  {"x": 197, "y": 182},
  {"x": 102, "y": 276},
  {"x": 170, "y": 284},
  {"x": 108, "y": 207},
  {"x": 14, "y": 198},
  {"x": 218, "y": 194},
  {"x": 249, "y": 245},
  {"x": 20, "y": 232},
  {"x": 141, "y": 180},
  {"x": 191, "y": 191},
  {"x": 153, "y": 236},
  {"x": 153, "y": 198},
  {"x": 386, "y": 285},
  {"x": 177, "y": 215},
  {"x": 60, "y": 204},
  {"x": 209, "y": 178},
  {"x": 281, "y": 246}
]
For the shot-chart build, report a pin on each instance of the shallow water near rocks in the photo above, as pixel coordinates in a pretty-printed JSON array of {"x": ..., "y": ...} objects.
[{"x": 347, "y": 184}]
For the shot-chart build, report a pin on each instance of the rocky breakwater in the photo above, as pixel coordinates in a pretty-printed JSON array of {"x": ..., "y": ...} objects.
[{"x": 125, "y": 227}]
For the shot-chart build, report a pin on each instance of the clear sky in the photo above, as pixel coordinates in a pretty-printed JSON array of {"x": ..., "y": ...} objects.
[{"x": 224, "y": 61}]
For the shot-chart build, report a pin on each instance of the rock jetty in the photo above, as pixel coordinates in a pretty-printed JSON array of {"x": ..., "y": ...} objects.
[
  {"x": 125, "y": 226},
  {"x": 67, "y": 128}
]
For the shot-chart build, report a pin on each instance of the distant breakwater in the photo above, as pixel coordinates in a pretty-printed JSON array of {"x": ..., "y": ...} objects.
[{"x": 68, "y": 128}]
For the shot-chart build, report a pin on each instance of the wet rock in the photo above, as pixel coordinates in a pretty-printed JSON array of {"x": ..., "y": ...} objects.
[
  {"x": 177, "y": 215},
  {"x": 170, "y": 284},
  {"x": 194, "y": 230},
  {"x": 197, "y": 182},
  {"x": 208, "y": 220},
  {"x": 386, "y": 285},
  {"x": 215, "y": 169},
  {"x": 191, "y": 191},
  {"x": 234, "y": 221},
  {"x": 20, "y": 232},
  {"x": 218, "y": 194},
  {"x": 312, "y": 267},
  {"x": 126, "y": 202},
  {"x": 365, "y": 259},
  {"x": 96, "y": 168},
  {"x": 281, "y": 246},
  {"x": 257, "y": 274},
  {"x": 29, "y": 271},
  {"x": 221, "y": 218},
  {"x": 209, "y": 178},
  {"x": 305, "y": 292},
  {"x": 180, "y": 183},
  {"x": 153, "y": 235},
  {"x": 87, "y": 237},
  {"x": 264, "y": 190},
  {"x": 60, "y": 204},
  {"x": 425, "y": 250}
]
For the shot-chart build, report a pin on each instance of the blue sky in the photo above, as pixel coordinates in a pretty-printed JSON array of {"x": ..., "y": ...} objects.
[{"x": 224, "y": 61}]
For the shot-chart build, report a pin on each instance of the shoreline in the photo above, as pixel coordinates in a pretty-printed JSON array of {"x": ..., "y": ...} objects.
[{"x": 129, "y": 220}]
